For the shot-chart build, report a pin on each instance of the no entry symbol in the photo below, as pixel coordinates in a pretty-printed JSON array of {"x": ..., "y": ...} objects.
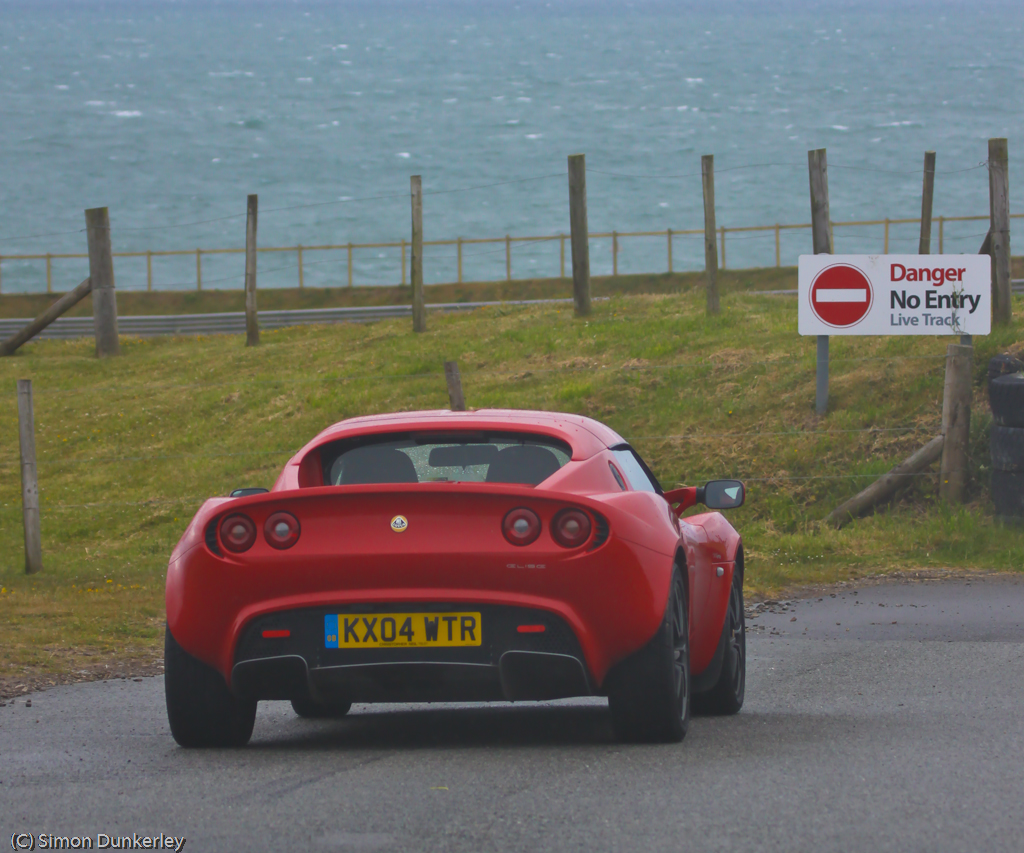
[{"x": 841, "y": 295}]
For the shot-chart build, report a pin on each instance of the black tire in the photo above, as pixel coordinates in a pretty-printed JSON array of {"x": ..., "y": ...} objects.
[
  {"x": 201, "y": 709},
  {"x": 1007, "y": 445},
  {"x": 1006, "y": 396},
  {"x": 726, "y": 695},
  {"x": 649, "y": 692},
  {"x": 1000, "y": 365},
  {"x": 1008, "y": 494},
  {"x": 310, "y": 708}
]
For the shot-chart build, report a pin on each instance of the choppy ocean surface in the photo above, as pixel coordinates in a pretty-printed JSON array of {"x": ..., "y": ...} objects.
[{"x": 169, "y": 113}]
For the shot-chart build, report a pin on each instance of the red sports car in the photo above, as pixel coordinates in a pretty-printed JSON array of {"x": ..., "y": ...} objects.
[{"x": 457, "y": 556}]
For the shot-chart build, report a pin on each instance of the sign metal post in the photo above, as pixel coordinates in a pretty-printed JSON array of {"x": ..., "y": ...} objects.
[{"x": 821, "y": 230}]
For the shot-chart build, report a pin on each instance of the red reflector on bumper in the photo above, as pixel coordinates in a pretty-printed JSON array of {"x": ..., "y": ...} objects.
[
  {"x": 276, "y": 635},
  {"x": 531, "y": 629}
]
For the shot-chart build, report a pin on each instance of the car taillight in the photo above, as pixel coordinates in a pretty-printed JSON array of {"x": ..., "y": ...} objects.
[
  {"x": 521, "y": 526},
  {"x": 237, "y": 533},
  {"x": 570, "y": 528},
  {"x": 282, "y": 530}
]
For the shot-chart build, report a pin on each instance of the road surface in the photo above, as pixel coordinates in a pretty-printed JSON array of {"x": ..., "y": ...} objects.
[{"x": 886, "y": 718}]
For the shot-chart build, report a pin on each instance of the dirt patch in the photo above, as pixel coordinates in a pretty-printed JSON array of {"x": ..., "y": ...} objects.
[
  {"x": 13, "y": 686},
  {"x": 788, "y": 594}
]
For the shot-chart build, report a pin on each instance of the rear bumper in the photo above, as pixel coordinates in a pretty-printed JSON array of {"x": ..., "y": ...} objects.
[
  {"x": 506, "y": 665},
  {"x": 612, "y": 599}
]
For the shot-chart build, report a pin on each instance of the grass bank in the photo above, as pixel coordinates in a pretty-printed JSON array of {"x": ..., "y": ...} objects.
[{"x": 129, "y": 447}]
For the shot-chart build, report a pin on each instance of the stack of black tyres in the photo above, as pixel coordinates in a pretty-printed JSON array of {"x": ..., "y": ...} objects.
[{"x": 1006, "y": 397}]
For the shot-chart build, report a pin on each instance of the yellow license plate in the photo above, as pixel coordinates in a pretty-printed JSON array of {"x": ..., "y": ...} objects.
[{"x": 402, "y": 630}]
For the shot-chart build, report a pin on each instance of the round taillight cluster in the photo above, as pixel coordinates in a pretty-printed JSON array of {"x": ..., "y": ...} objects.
[
  {"x": 570, "y": 528},
  {"x": 521, "y": 526},
  {"x": 282, "y": 530},
  {"x": 237, "y": 532}
]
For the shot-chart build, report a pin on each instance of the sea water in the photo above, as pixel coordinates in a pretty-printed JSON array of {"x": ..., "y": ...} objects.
[{"x": 170, "y": 113}]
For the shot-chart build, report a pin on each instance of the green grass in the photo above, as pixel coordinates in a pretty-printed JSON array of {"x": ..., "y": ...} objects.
[{"x": 129, "y": 447}]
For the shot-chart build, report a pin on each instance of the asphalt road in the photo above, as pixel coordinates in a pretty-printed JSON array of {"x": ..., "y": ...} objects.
[{"x": 886, "y": 718}]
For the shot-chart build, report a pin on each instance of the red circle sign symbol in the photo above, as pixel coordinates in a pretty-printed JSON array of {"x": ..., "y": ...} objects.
[{"x": 841, "y": 295}]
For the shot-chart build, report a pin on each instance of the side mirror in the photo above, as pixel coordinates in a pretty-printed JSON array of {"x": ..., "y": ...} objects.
[
  {"x": 244, "y": 493},
  {"x": 722, "y": 494}
]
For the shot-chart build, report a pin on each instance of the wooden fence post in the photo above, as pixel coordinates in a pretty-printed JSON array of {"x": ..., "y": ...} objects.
[
  {"x": 508, "y": 258},
  {"x": 302, "y": 282},
  {"x": 199, "y": 269},
  {"x": 252, "y": 322},
  {"x": 707, "y": 177},
  {"x": 668, "y": 236},
  {"x": 403, "y": 262},
  {"x": 956, "y": 423},
  {"x": 886, "y": 486},
  {"x": 580, "y": 238},
  {"x": 821, "y": 235},
  {"x": 999, "y": 229},
  {"x": 149, "y": 271},
  {"x": 419, "y": 310},
  {"x": 101, "y": 274},
  {"x": 66, "y": 302},
  {"x": 349, "y": 259},
  {"x": 924, "y": 247},
  {"x": 49, "y": 273},
  {"x": 778, "y": 247},
  {"x": 615, "y": 252},
  {"x": 456, "y": 402},
  {"x": 458, "y": 251},
  {"x": 29, "y": 479}
]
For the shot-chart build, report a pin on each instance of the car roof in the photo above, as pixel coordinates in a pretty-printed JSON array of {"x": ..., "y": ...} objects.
[{"x": 585, "y": 435}]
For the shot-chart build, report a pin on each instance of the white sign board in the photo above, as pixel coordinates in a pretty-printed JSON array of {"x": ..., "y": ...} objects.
[{"x": 895, "y": 295}]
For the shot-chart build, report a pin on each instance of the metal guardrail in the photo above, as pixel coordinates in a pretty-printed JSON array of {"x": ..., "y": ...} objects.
[{"x": 233, "y": 322}]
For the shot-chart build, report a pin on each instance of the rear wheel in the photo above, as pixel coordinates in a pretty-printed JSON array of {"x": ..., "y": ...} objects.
[
  {"x": 649, "y": 692},
  {"x": 201, "y": 709},
  {"x": 308, "y": 707},
  {"x": 726, "y": 696}
]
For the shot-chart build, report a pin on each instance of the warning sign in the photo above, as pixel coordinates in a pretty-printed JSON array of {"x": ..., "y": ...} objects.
[
  {"x": 841, "y": 295},
  {"x": 895, "y": 295}
]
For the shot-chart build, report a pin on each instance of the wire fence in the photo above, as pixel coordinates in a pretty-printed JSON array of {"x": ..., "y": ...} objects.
[
  {"x": 358, "y": 260},
  {"x": 459, "y": 259},
  {"x": 165, "y": 457},
  {"x": 709, "y": 361},
  {"x": 51, "y": 467}
]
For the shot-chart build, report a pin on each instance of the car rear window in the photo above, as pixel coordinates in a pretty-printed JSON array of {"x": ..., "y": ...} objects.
[{"x": 444, "y": 458}]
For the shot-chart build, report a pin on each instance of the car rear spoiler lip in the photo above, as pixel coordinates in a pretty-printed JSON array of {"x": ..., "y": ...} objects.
[{"x": 512, "y": 490}]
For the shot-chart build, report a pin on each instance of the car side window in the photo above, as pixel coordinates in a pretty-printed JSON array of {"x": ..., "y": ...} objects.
[
  {"x": 617, "y": 476},
  {"x": 636, "y": 471}
]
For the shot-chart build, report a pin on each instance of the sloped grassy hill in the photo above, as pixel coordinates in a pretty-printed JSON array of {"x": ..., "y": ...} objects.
[{"x": 129, "y": 447}]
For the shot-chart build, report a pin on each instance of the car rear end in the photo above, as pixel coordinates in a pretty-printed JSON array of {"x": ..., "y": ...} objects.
[{"x": 451, "y": 588}]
